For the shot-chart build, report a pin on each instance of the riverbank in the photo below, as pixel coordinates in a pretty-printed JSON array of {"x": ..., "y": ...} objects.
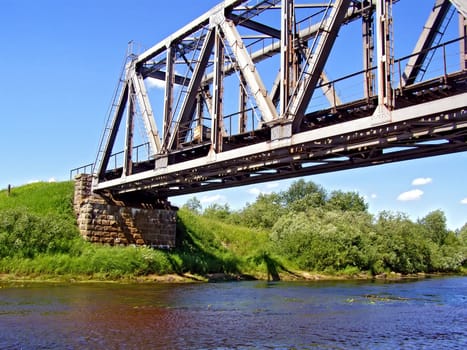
[
  {"x": 215, "y": 278},
  {"x": 39, "y": 241}
]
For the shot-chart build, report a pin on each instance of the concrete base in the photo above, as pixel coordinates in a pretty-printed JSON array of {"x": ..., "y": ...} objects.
[{"x": 103, "y": 221}]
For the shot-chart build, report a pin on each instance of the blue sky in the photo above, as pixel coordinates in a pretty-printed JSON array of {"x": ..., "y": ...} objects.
[{"x": 59, "y": 64}]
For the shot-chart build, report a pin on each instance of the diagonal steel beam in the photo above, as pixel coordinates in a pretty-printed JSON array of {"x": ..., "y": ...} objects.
[
  {"x": 160, "y": 75},
  {"x": 186, "y": 112},
  {"x": 248, "y": 69},
  {"x": 146, "y": 112},
  {"x": 329, "y": 91},
  {"x": 430, "y": 30},
  {"x": 256, "y": 26},
  {"x": 305, "y": 88},
  {"x": 107, "y": 151}
]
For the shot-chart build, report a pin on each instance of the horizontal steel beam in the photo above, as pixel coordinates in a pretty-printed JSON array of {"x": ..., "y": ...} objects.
[{"x": 361, "y": 135}]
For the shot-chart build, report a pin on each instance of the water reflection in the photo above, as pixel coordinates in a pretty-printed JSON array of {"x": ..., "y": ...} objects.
[{"x": 428, "y": 314}]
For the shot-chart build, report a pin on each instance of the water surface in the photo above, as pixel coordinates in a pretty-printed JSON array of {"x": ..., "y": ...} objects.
[{"x": 417, "y": 314}]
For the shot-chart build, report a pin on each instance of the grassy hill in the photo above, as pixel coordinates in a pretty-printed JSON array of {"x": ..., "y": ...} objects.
[
  {"x": 302, "y": 229},
  {"x": 39, "y": 237},
  {"x": 40, "y": 198}
]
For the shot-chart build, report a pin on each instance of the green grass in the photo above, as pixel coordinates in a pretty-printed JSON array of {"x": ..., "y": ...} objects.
[
  {"x": 39, "y": 237},
  {"x": 40, "y": 198},
  {"x": 207, "y": 245}
]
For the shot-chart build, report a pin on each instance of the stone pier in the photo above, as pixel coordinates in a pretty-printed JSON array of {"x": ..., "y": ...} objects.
[{"x": 102, "y": 220}]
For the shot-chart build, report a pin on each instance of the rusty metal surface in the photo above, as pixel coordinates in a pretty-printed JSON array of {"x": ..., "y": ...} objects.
[{"x": 245, "y": 98}]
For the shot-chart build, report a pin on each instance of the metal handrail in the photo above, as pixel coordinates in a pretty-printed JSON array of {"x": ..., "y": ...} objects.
[{"x": 84, "y": 169}]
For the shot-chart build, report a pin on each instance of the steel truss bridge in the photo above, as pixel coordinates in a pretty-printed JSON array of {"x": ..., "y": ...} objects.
[{"x": 211, "y": 120}]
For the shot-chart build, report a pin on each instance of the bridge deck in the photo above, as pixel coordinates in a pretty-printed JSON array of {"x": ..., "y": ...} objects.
[
  {"x": 217, "y": 123},
  {"x": 431, "y": 120}
]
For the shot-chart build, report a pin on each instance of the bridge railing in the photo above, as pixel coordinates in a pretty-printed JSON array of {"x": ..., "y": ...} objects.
[
  {"x": 84, "y": 169},
  {"x": 444, "y": 59},
  {"x": 141, "y": 153},
  {"x": 441, "y": 60}
]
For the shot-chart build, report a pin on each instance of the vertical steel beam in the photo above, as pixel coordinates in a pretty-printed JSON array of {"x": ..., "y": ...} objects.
[
  {"x": 384, "y": 39},
  {"x": 199, "y": 117},
  {"x": 217, "y": 92},
  {"x": 286, "y": 54},
  {"x": 463, "y": 43},
  {"x": 425, "y": 41},
  {"x": 316, "y": 61},
  {"x": 368, "y": 52},
  {"x": 128, "y": 150},
  {"x": 242, "y": 105},
  {"x": 168, "y": 96}
]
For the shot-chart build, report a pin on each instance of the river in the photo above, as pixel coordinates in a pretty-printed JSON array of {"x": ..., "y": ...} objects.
[{"x": 416, "y": 314}]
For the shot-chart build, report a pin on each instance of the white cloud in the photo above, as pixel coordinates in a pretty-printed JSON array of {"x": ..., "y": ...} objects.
[
  {"x": 265, "y": 189},
  {"x": 155, "y": 83},
  {"x": 464, "y": 201},
  {"x": 272, "y": 185},
  {"x": 254, "y": 191},
  {"x": 420, "y": 181},
  {"x": 411, "y": 195},
  {"x": 212, "y": 199},
  {"x": 373, "y": 196},
  {"x": 32, "y": 181},
  {"x": 52, "y": 179}
]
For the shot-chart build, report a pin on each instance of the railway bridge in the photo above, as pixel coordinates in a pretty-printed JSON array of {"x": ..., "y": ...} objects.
[{"x": 260, "y": 90}]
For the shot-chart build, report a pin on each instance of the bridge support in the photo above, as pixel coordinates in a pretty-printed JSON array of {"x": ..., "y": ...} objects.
[{"x": 104, "y": 221}]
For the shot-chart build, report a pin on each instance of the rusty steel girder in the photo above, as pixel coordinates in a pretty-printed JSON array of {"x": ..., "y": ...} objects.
[{"x": 237, "y": 97}]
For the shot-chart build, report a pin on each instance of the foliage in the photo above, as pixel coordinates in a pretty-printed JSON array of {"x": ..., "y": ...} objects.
[
  {"x": 26, "y": 235},
  {"x": 302, "y": 228},
  {"x": 322, "y": 240},
  {"x": 346, "y": 201},
  {"x": 264, "y": 212},
  {"x": 301, "y": 192},
  {"x": 434, "y": 225},
  {"x": 334, "y": 232},
  {"x": 194, "y": 205},
  {"x": 38, "y": 235},
  {"x": 218, "y": 211},
  {"x": 208, "y": 246}
]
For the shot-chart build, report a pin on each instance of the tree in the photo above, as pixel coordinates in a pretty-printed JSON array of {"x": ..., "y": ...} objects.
[
  {"x": 346, "y": 201},
  {"x": 194, "y": 205},
  {"x": 401, "y": 244},
  {"x": 462, "y": 234},
  {"x": 303, "y": 194},
  {"x": 218, "y": 211},
  {"x": 434, "y": 225},
  {"x": 264, "y": 212}
]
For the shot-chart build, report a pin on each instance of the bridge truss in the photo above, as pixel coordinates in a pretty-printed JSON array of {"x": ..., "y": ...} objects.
[{"x": 211, "y": 120}]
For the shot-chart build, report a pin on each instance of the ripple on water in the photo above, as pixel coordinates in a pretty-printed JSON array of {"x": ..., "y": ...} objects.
[{"x": 429, "y": 314}]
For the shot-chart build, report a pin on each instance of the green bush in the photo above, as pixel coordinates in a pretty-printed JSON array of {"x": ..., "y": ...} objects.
[{"x": 26, "y": 235}]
